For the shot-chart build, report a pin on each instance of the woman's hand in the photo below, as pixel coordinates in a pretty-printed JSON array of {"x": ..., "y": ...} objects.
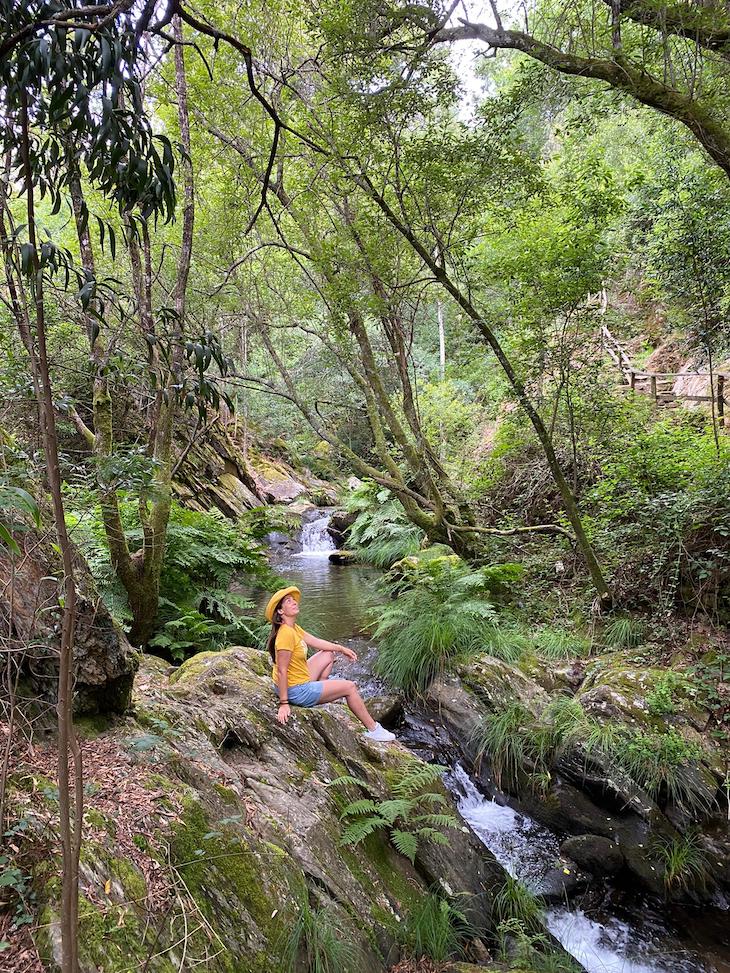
[
  {"x": 348, "y": 653},
  {"x": 283, "y": 713}
]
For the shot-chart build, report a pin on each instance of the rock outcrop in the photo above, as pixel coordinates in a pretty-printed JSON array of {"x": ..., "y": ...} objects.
[
  {"x": 211, "y": 810},
  {"x": 216, "y": 471},
  {"x": 30, "y": 618},
  {"x": 590, "y": 794}
]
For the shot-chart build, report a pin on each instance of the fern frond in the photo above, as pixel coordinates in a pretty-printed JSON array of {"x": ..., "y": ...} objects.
[
  {"x": 406, "y": 843},
  {"x": 359, "y": 830},
  {"x": 364, "y": 806}
]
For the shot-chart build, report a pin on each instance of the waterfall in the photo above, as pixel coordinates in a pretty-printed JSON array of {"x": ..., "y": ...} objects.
[
  {"x": 526, "y": 849},
  {"x": 315, "y": 538}
]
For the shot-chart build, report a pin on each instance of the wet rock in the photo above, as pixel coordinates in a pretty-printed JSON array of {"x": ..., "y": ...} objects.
[
  {"x": 342, "y": 557},
  {"x": 30, "y": 618},
  {"x": 561, "y": 882},
  {"x": 387, "y": 710},
  {"x": 340, "y": 521},
  {"x": 594, "y": 853}
]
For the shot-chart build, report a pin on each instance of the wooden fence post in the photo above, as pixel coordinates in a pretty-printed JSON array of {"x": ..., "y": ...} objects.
[
  {"x": 721, "y": 399},
  {"x": 653, "y": 388},
  {"x": 632, "y": 379}
]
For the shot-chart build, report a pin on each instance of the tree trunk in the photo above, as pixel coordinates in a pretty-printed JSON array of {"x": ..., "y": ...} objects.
[
  {"x": 569, "y": 502},
  {"x": 67, "y": 742}
]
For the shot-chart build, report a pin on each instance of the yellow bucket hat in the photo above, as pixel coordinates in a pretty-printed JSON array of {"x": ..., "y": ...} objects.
[{"x": 279, "y": 596}]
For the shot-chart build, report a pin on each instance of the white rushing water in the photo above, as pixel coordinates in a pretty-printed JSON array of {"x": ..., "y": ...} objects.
[
  {"x": 527, "y": 850},
  {"x": 315, "y": 538}
]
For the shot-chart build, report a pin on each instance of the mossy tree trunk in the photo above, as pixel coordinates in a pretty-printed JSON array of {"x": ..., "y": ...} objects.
[{"x": 140, "y": 571}]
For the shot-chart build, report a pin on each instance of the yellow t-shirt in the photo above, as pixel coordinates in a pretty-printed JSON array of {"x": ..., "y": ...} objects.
[{"x": 290, "y": 639}]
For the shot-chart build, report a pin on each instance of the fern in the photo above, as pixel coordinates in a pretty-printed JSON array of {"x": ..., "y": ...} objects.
[
  {"x": 204, "y": 552},
  {"x": 381, "y": 533},
  {"x": 358, "y": 807},
  {"x": 406, "y": 843},
  {"x": 438, "y": 616},
  {"x": 406, "y": 816}
]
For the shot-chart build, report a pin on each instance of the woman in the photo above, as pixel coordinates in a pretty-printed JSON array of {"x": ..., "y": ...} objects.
[{"x": 305, "y": 682}]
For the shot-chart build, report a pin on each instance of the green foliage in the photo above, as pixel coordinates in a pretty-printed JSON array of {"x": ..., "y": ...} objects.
[
  {"x": 501, "y": 738},
  {"x": 410, "y": 815},
  {"x": 204, "y": 553},
  {"x": 656, "y": 762},
  {"x": 555, "y": 643},
  {"x": 683, "y": 860},
  {"x": 381, "y": 534},
  {"x": 515, "y": 902},
  {"x": 441, "y": 614},
  {"x": 15, "y": 500},
  {"x": 435, "y": 929},
  {"x": 313, "y": 939},
  {"x": 662, "y": 699},
  {"x": 708, "y": 678},
  {"x": 515, "y": 742},
  {"x": 526, "y": 949},
  {"x": 623, "y": 633}
]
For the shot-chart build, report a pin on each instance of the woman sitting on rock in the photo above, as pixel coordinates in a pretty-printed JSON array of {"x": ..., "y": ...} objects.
[{"x": 300, "y": 681}]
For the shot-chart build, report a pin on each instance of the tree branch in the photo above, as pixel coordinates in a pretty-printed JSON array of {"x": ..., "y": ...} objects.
[{"x": 619, "y": 73}]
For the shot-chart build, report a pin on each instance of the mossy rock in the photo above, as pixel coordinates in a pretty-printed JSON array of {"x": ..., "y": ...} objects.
[
  {"x": 497, "y": 684},
  {"x": 249, "y": 829}
]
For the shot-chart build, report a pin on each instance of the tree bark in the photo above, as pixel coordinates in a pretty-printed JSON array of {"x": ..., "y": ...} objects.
[
  {"x": 67, "y": 742},
  {"x": 439, "y": 272}
]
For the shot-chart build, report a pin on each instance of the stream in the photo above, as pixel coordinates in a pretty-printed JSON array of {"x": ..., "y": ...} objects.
[{"x": 618, "y": 931}]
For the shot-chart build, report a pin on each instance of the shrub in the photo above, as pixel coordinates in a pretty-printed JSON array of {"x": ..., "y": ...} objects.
[{"x": 443, "y": 615}]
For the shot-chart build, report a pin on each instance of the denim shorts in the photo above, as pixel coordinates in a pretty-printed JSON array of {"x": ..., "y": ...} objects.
[{"x": 305, "y": 694}]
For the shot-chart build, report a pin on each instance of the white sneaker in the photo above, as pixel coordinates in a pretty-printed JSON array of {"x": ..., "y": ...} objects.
[{"x": 379, "y": 734}]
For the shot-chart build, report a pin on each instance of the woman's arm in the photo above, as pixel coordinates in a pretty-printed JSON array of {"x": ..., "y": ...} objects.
[
  {"x": 282, "y": 670},
  {"x": 323, "y": 645}
]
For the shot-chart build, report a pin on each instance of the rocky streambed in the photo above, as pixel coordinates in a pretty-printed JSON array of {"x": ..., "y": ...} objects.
[{"x": 588, "y": 840}]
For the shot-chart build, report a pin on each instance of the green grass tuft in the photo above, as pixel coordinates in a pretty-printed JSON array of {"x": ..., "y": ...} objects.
[
  {"x": 441, "y": 616},
  {"x": 683, "y": 859},
  {"x": 623, "y": 633},
  {"x": 313, "y": 939},
  {"x": 436, "y": 929}
]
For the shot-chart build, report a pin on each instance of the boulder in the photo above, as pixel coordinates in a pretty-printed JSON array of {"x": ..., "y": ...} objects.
[
  {"x": 594, "y": 853},
  {"x": 561, "y": 882},
  {"x": 340, "y": 521},
  {"x": 30, "y": 619},
  {"x": 343, "y": 557},
  {"x": 205, "y": 787},
  {"x": 276, "y": 482}
]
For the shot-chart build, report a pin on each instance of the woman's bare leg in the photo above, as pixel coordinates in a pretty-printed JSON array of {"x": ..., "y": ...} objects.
[
  {"x": 344, "y": 688},
  {"x": 320, "y": 665}
]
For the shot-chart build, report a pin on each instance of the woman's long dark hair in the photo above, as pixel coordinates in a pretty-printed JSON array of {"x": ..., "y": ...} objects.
[{"x": 275, "y": 626}]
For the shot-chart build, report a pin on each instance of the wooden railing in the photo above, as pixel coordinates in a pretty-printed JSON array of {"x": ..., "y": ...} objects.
[{"x": 655, "y": 383}]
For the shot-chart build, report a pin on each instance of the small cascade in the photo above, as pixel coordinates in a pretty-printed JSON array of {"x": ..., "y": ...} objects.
[
  {"x": 315, "y": 539},
  {"x": 602, "y": 944}
]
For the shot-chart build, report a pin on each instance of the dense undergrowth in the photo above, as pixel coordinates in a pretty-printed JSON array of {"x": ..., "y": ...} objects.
[{"x": 204, "y": 554}]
